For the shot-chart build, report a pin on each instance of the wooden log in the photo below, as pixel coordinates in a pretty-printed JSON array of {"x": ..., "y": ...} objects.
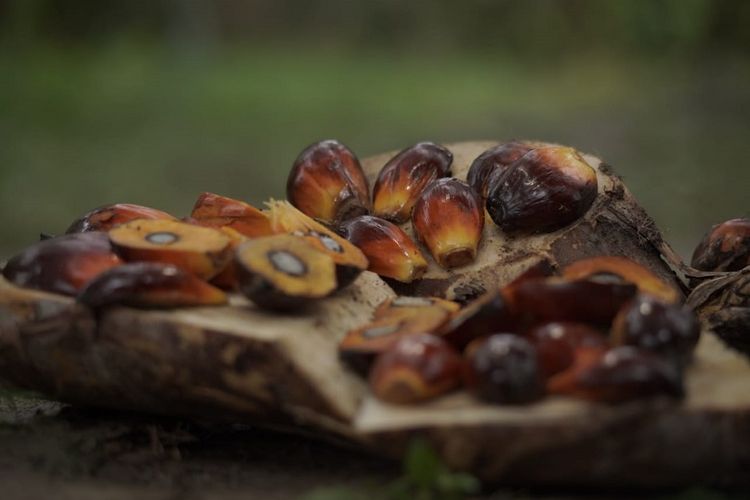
[{"x": 238, "y": 363}]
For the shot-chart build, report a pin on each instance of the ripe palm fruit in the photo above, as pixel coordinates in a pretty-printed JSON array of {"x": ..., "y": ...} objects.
[
  {"x": 389, "y": 250},
  {"x": 202, "y": 251},
  {"x": 64, "y": 264},
  {"x": 350, "y": 261},
  {"x": 106, "y": 217},
  {"x": 667, "y": 329},
  {"x": 557, "y": 344},
  {"x": 545, "y": 190},
  {"x": 503, "y": 369},
  {"x": 622, "y": 270},
  {"x": 448, "y": 219},
  {"x": 214, "y": 210},
  {"x": 494, "y": 161},
  {"x": 616, "y": 375},
  {"x": 150, "y": 284},
  {"x": 415, "y": 369},
  {"x": 483, "y": 316},
  {"x": 327, "y": 183},
  {"x": 726, "y": 247},
  {"x": 393, "y": 320},
  {"x": 405, "y": 176},
  {"x": 284, "y": 272},
  {"x": 558, "y": 299}
]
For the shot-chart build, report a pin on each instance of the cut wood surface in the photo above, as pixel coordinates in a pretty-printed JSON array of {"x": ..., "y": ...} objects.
[{"x": 238, "y": 363}]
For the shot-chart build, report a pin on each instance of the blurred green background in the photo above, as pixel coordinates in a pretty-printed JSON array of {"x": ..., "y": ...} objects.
[{"x": 154, "y": 101}]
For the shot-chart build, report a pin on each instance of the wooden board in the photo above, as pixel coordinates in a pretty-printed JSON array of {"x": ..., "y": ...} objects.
[{"x": 238, "y": 363}]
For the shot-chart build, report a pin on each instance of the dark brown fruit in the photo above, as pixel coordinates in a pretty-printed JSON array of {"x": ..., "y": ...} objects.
[
  {"x": 350, "y": 260},
  {"x": 667, "y": 329},
  {"x": 150, "y": 284},
  {"x": 202, "y": 251},
  {"x": 109, "y": 216},
  {"x": 545, "y": 190},
  {"x": 485, "y": 315},
  {"x": 558, "y": 299},
  {"x": 726, "y": 247},
  {"x": 405, "y": 176},
  {"x": 557, "y": 343},
  {"x": 622, "y": 270},
  {"x": 448, "y": 219},
  {"x": 389, "y": 250},
  {"x": 62, "y": 265},
  {"x": 327, "y": 183},
  {"x": 494, "y": 161},
  {"x": 415, "y": 369},
  {"x": 283, "y": 272},
  {"x": 619, "y": 374},
  {"x": 504, "y": 369},
  {"x": 391, "y": 323},
  {"x": 213, "y": 210}
]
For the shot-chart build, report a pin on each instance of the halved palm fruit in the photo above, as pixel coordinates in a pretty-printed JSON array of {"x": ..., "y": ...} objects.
[
  {"x": 62, "y": 265},
  {"x": 327, "y": 183},
  {"x": 284, "y": 272},
  {"x": 108, "y": 216},
  {"x": 405, "y": 176},
  {"x": 227, "y": 277},
  {"x": 202, "y": 251},
  {"x": 389, "y": 250},
  {"x": 350, "y": 260},
  {"x": 622, "y": 270},
  {"x": 150, "y": 284},
  {"x": 399, "y": 304},
  {"x": 214, "y": 210},
  {"x": 360, "y": 346}
]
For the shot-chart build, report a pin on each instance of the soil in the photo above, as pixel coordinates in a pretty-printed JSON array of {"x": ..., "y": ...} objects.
[{"x": 80, "y": 453}]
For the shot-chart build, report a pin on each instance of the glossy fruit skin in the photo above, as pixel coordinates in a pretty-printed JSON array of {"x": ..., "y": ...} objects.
[
  {"x": 64, "y": 264},
  {"x": 620, "y": 374},
  {"x": 405, "y": 176},
  {"x": 415, "y": 369},
  {"x": 557, "y": 343},
  {"x": 545, "y": 190},
  {"x": 726, "y": 247},
  {"x": 328, "y": 184},
  {"x": 389, "y": 250},
  {"x": 149, "y": 284},
  {"x": 485, "y": 315},
  {"x": 667, "y": 329},
  {"x": 213, "y": 210},
  {"x": 504, "y": 369},
  {"x": 494, "y": 162},
  {"x": 609, "y": 268},
  {"x": 558, "y": 299},
  {"x": 106, "y": 217},
  {"x": 448, "y": 219}
]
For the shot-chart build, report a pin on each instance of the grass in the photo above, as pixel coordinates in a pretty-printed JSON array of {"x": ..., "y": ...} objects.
[{"x": 81, "y": 127}]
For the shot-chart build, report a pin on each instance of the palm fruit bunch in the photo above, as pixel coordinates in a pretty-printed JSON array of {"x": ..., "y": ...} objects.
[{"x": 513, "y": 275}]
